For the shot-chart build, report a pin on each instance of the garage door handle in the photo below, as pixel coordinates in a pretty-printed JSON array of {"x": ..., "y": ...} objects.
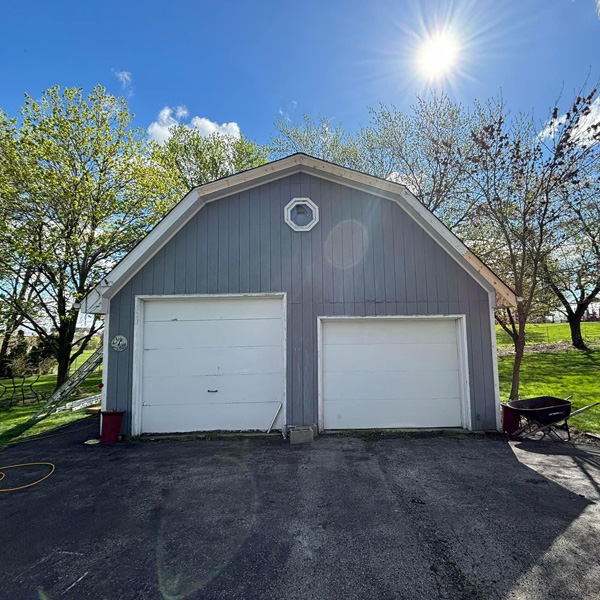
[{"x": 212, "y": 391}]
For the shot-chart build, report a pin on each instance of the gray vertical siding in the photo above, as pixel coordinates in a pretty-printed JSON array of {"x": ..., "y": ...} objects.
[{"x": 366, "y": 256}]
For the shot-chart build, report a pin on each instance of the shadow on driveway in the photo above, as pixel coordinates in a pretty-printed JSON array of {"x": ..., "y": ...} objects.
[{"x": 424, "y": 517}]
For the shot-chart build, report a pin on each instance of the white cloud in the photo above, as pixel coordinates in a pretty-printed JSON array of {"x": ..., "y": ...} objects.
[
  {"x": 159, "y": 129},
  {"x": 126, "y": 80},
  {"x": 583, "y": 131},
  {"x": 181, "y": 112},
  {"x": 552, "y": 127},
  {"x": 207, "y": 127},
  {"x": 167, "y": 117},
  {"x": 288, "y": 112}
]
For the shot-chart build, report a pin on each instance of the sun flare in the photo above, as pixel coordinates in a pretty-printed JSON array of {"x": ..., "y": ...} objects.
[{"x": 438, "y": 55}]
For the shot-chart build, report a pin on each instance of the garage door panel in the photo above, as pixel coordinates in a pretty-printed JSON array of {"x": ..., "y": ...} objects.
[
  {"x": 194, "y": 309},
  {"x": 177, "y": 362},
  {"x": 212, "y": 363},
  {"x": 363, "y": 386},
  {"x": 430, "y": 412},
  {"x": 254, "y": 387},
  {"x": 196, "y": 417},
  {"x": 389, "y": 357},
  {"x": 212, "y": 334},
  {"x": 387, "y": 373},
  {"x": 386, "y": 331}
]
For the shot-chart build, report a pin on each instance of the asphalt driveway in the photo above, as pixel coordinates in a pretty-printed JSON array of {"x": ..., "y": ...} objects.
[{"x": 342, "y": 518}]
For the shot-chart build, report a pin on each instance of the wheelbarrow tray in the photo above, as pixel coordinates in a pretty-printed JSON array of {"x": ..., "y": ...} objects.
[{"x": 544, "y": 410}]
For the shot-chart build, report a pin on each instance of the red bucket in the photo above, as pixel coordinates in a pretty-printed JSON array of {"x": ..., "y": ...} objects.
[
  {"x": 111, "y": 426},
  {"x": 510, "y": 419}
]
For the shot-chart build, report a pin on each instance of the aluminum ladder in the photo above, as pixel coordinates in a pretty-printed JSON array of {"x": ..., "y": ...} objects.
[{"x": 69, "y": 386}]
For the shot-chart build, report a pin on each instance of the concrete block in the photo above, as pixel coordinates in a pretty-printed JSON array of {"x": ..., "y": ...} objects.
[{"x": 301, "y": 435}]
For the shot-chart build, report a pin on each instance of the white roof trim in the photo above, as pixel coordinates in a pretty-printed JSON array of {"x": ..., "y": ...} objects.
[{"x": 96, "y": 300}]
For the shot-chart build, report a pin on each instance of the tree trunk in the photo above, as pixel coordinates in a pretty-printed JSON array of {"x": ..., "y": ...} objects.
[
  {"x": 519, "y": 344},
  {"x": 575, "y": 325},
  {"x": 516, "y": 375},
  {"x": 13, "y": 323},
  {"x": 574, "y": 316},
  {"x": 64, "y": 362},
  {"x": 64, "y": 347},
  {"x": 4, "y": 350}
]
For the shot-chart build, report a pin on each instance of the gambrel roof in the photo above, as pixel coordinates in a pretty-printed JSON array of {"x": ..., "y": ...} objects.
[{"x": 198, "y": 197}]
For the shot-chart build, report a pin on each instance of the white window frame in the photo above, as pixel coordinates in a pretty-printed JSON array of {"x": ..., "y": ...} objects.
[
  {"x": 288, "y": 213},
  {"x": 461, "y": 330}
]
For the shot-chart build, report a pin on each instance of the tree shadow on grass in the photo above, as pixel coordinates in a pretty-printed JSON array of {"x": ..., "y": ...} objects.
[{"x": 9, "y": 435}]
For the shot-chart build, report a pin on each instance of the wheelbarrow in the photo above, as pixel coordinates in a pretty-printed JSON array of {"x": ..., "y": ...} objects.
[{"x": 542, "y": 414}]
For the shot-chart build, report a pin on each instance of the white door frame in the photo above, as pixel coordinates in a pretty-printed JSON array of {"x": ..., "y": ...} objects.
[
  {"x": 461, "y": 337},
  {"x": 138, "y": 347}
]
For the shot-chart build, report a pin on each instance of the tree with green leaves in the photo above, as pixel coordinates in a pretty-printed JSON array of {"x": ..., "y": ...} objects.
[
  {"x": 418, "y": 149},
  {"x": 574, "y": 272},
  {"x": 320, "y": 139},
  {"x": 428, "y": 150},
  {"x": 80, "y": 192},
  {"x": 523, "y": 177},
  {"x": 18, "y": 285},
  {"x": 573, "y": 276},
  {"x": 192, "y": 159}
]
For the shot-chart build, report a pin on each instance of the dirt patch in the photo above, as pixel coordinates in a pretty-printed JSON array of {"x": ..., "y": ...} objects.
[
  {"x": 582, "y": 438},
  {"x": 537, "y": 348}
]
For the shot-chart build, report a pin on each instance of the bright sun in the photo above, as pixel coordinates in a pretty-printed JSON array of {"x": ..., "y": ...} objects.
[{"x": 438, "y": 55}]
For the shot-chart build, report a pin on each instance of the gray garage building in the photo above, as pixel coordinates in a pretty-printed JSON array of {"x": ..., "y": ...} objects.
[{"x": 300, "y": 292}]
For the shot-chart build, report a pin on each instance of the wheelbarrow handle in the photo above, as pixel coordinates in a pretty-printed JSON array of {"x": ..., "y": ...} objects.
[{"x": 583, "y": 409}]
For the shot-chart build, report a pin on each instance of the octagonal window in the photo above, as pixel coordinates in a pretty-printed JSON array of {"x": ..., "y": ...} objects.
[{"x": 301, "y": 214}]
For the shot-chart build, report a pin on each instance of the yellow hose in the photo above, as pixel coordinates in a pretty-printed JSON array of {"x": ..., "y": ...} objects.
[{"x": 22, "y": 487}]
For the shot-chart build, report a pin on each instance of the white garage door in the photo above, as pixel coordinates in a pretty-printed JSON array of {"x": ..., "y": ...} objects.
[
  {"x": 388, "y": 373},
  {"x": 212, "y": 363}
]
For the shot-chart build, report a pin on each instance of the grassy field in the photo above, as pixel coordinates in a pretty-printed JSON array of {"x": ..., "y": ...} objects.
[
  {"x": 81, "y": 359},
  {"x": 559, "y": 374},
  {"x": 548, "y": 333},
  {"x": 14, "y": 419},
  {"x": 46, "y": 383},
  {"x": 12, "y": 422}
]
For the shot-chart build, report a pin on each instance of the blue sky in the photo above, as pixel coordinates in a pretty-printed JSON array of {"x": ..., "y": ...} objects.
[{"x": 244, "y": 62}]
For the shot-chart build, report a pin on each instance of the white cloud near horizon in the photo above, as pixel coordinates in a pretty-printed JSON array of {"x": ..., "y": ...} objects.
[
  {"x": 168, "y": 117},
  {"x": 126, "y": 80}
]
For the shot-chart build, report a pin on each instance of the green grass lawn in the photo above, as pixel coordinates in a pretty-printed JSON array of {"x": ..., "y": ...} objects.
[
  {"x": 13, "y": 420},
  {"x": 547, "y": 333},
  {"x": 81, "y": 359},
  {"x": 559, "y": 374},
  {"x": 46, "y": 384}
]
